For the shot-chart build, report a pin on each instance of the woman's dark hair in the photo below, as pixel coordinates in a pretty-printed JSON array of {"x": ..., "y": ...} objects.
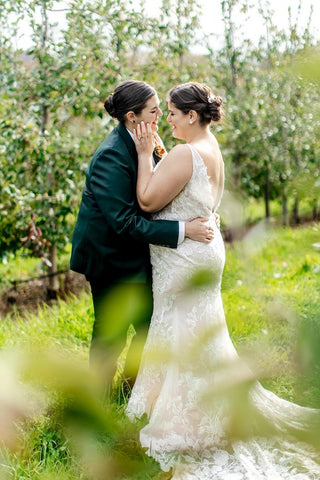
[
  {"x": 130, "y": 95},
  {"x": 198, "y": 97}
]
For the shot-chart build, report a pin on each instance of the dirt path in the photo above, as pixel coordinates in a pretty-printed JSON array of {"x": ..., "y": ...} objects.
[{"x": 28, "y": 296}]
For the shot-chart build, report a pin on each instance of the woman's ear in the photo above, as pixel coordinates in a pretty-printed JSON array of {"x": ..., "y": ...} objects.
[
  {"x": 131, "y": 117},
  {"x": 193, "y": 116}
]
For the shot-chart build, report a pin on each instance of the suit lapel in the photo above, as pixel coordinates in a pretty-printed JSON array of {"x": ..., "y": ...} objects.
[
  {"x": 156, "y": 158},
  {"x": 125, "y": 136}
]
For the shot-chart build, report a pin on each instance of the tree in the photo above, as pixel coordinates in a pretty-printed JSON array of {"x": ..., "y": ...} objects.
[
  {"x": 52, "y": 104},
  {"x": 41, "y": 143}
]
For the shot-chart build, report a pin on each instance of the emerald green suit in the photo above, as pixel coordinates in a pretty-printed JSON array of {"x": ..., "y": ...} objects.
[
  {"x": 111, "y": 239},
  {"x": 112, "y": 235}
]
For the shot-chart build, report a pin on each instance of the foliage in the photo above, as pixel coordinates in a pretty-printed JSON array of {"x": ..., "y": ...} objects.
[
  {"x": 271, "y": 137},
  {"x": 52, "y": 103},
  {"x": 277, "y": 281},
  {"x": 52, "y": 109},
  {"x": 270, "y": 300}
]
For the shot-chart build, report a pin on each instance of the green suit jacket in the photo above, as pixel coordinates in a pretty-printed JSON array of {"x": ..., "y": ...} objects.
[{"x": 112, "y": 234}]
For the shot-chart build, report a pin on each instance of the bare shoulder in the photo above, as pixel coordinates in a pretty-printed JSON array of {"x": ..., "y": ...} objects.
[
  {"x": 213, "y": 137},
  {"x": 208, "y": 148},
  {"x": 181, "y": 151},
  {"x": 215, "y": 143},
  {"x": 179, "y": 159}
]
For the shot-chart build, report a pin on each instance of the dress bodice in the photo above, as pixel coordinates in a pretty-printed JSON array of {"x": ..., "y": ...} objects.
[{"x": 197, "y": 197}]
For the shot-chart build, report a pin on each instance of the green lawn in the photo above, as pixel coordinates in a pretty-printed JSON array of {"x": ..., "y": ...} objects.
[{"x": 270, "y": 289}]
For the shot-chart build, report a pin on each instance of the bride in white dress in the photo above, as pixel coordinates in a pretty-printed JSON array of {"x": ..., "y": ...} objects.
[{"x": 188, "y": 350}]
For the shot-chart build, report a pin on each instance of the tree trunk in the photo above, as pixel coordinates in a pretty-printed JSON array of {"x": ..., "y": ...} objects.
[
  {"x": 229, "y": 27},
  {"x": 237, "y": 169},
  {"x": 53, "y": 281},
  {"x": 315, "y": 212},
  {"x": 296, "y": 218},
  {"x": 267, "y": 195},
  {"x": 285, "y": 215}
]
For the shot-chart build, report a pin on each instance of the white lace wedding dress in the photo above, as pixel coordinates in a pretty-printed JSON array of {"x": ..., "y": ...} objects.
[{"x": 184, "y": 368}]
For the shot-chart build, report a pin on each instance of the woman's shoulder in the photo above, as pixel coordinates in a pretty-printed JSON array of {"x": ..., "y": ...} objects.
[
  {"x": 181, "y": 150},
  {"x": 179, "y": 159},
  {"x": 208, "y": 147},
  {"x": 112, "y": 153},
  {"x": 207, "y": 143}
]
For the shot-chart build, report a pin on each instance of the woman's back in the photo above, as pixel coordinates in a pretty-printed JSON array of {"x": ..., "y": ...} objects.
[{"x": 209, "y": 151}]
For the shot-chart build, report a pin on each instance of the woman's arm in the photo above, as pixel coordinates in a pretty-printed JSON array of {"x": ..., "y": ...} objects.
[
  {"x": 111, "y": 181},
  {"x": 157, "y": 187}
]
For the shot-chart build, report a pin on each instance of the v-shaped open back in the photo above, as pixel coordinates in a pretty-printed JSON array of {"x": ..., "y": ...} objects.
[{"x": 216, "y": 187}]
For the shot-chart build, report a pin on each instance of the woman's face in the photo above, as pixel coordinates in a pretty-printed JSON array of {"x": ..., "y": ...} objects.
[
  {"x": 150, "y": 113},
  {"x": 178, "y": 120}
]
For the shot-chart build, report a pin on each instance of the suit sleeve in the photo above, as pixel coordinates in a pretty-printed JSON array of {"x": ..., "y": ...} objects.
[{"x": 112, "y": 182}]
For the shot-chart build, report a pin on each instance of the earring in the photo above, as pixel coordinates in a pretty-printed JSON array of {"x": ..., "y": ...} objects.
[{"x": 191, "y": 122}]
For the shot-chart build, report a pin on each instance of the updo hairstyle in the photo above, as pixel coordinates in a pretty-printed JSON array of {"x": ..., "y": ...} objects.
[
  {"x": 198, "y": 97},
  {"x": 130, "y": 95}
]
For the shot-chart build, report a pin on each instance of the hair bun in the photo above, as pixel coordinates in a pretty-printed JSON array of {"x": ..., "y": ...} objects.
[
  {"x": 214, "y": 107},
  {"x": 109, "y": 106}
]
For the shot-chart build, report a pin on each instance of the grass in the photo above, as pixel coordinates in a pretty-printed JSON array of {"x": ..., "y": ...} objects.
[
  {"x": 270, "y": 290},
  {"x": 21, "y": 267},
  {"x": 253, "y": 209},
  {"x": 66, "y": 324},
  {"x": 14, "y": 267}
]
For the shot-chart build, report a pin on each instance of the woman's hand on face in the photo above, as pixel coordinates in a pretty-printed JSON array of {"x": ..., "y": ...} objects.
[
  {"x": 199, "y": 230},
  {"x": 144, "y": 139}
]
